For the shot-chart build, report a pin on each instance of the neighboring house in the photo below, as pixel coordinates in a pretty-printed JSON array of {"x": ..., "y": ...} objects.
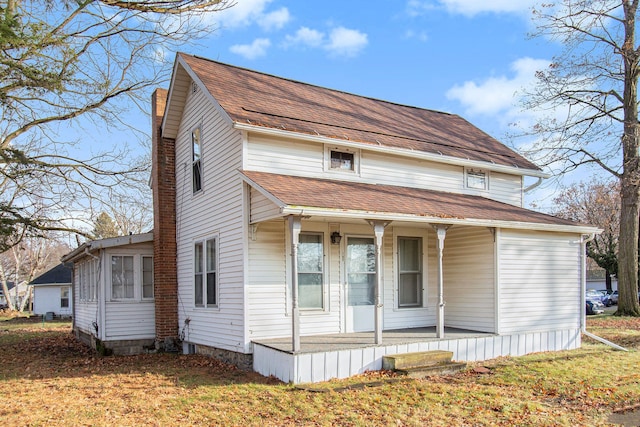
[
  {"x": 52, "y": 291},
  {"x": 3, "y": 298},
  {"x": 113, "y": 307},
  {"x": 16, "y": 293},
  {"x": 307, "y": 232}
]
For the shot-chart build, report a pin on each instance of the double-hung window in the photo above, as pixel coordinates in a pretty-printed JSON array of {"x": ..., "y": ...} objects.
[
  {"x": 310, "y": 271},
  {"x": 122, "y": 280},
  {"x": 131, "y": 277},
  {"x": 147, "y": 277},
  {"x": 205, "y": 273},
  {"x": 196, "y": 159},
  {"x": 64, "y": 297},
  {"x": 409, "y": 272}
]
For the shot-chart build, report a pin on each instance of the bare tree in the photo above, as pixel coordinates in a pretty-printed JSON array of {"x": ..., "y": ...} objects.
[
  {"x": 62, "y": 61},
  {"x": 24, "y": 262},
  {"x": 590, "y": 93},
  {"x": 597, "y": 203}
]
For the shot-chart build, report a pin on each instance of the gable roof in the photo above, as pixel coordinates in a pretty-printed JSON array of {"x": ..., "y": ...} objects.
[
  {"x": 323, "y": 197},
  {"x": 263, "y": 101},
  {"x": 61, "y": 273}
]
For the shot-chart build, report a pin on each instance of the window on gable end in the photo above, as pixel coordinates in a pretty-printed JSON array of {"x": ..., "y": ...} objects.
[{"x": 196, "y": 159}]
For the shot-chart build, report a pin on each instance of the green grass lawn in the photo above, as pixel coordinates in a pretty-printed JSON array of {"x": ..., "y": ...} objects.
[{"x": 49, "y": 379}]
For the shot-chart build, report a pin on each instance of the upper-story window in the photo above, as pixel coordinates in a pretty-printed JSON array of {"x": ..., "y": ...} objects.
[
  {"x": 196, "y": 159},
  {"x": 476, "y": 179},
  {"x": 341, "y": 160}
]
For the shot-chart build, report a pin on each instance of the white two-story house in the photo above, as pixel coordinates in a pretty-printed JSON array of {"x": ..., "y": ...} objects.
[{"x": 306, "y": 232}]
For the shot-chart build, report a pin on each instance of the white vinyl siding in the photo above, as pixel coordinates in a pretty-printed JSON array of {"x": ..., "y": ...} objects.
[
  {"x": 409, "y": 317},
  {"x": 299, "y": 158},
  {"x": 269, "y": 296},
  {"x": 48, "y": 298},
  {"x": 216, "y": 210},
  {"x": 469, "y": 279},
  {"x": 86, "y": 311},
  {"x": 130, "y": 321},
  {"x": 539, "y": 281},
  {"x": 262, "y": 209}
]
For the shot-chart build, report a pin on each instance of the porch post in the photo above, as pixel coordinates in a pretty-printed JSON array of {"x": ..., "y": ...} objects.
[
  {"x": 294, "y": 228},
  {"x": 441, "y": 231},
  {"x": 378, "y": 229}
]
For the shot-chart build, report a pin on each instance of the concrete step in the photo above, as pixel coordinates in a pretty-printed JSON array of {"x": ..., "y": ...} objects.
[
  {"x": 419, "y": 359},
  {"x": 427, "y": 371}
]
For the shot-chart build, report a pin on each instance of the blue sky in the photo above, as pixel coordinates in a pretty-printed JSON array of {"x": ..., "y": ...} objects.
[
  {"x": 462, "y": 56},
  {"x": 466, "y": 57}
]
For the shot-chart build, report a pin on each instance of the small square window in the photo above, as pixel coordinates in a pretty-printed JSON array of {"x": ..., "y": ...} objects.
[
  {"x": 476, "y": 179},
  {"x": 342, "y": 160}
]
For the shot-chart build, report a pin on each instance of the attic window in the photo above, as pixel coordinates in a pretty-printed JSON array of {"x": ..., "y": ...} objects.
[
  {"x": 342, "y": 160},
  {"x": 476, "y": 179}
]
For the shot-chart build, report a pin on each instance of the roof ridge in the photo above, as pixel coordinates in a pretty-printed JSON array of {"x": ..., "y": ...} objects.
[{"x": 320, "y": 87}]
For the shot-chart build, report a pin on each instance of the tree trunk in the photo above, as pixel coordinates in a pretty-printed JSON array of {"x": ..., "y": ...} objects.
[
  {"x": 628, "y": 255},
  {"x": 607, "y": 281},
  {"x": 630, "y": 182}
]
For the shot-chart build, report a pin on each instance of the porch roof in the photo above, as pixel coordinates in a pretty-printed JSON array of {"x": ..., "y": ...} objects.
[{"x": 296, "y": 195}]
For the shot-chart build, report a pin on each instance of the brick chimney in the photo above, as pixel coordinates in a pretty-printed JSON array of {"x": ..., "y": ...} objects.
[{"x": 165, "y": 275}]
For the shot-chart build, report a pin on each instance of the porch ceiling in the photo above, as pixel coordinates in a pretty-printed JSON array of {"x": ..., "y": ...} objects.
[{"x": 349, "y": 200}]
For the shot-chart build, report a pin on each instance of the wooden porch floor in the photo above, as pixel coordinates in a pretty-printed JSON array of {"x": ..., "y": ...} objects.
[{"x": 346, "y": 341}]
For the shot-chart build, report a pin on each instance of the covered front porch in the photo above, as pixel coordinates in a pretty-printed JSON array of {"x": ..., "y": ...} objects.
[{"x": 324, "y": 357}]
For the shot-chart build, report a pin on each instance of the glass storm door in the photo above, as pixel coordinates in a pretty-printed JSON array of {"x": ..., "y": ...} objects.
[{"x": 361, "y": 282}]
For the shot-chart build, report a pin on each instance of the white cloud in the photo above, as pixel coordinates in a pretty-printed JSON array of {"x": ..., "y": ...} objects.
[
  {"x": 306, "y": 37},
  {"x": 275, "y": 20},
  {"x": 418, "y": 35},
  {"x": 469, "y": 7},
  {"x": 252, "y": 51},
  {"x": 496, "y": 95},
  {"x": 346, "y": 42},
  {"x": 339, "y": 42},
  {"x": 247, "y": 12}
]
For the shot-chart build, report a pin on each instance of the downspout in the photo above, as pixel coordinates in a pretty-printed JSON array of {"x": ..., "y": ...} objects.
[
  {"x": 534, "y": 185},
  {"x": 583, "y": 286}
]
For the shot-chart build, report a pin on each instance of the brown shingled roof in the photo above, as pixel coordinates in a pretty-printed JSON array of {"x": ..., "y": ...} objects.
[
  {"x": 303, "y": 192},
  {"x": 260, "y": 99}
]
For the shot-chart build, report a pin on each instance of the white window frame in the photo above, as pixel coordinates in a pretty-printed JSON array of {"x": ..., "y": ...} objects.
[
  {"x": 133, "y": 272},
  {"x": 323, "y": 285},
  {"x": 399, "y": 272},
  {"x": 66, "y": 289},
  {"x": 137, "y": 276},
  {"x": 206, "y": 271},
  {"x": 196, "y": 135},
  {"x": 142, "y": 257},
  {"x": 356, "y": 159},
  {"x": 473, "y": 174},
  {"x": 424, "y": 235}
]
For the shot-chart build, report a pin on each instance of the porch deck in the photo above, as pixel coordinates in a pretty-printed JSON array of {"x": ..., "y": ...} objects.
[
  {"x": 355, "y": 340},
  {"x": 323, "y": 357}
]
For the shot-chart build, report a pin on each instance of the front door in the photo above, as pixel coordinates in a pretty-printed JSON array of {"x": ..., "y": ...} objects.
[{"x": 361, "y": 282}]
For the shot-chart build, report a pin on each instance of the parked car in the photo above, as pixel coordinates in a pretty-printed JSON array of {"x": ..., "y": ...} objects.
[
  {"x": 594, "y": 295},
  {"x": 611, "y": 299},
  {"x": 594, "y": 307}
]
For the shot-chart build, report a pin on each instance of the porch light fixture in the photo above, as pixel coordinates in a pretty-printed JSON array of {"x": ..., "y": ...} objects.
[{"x": 335, "y": 238}]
